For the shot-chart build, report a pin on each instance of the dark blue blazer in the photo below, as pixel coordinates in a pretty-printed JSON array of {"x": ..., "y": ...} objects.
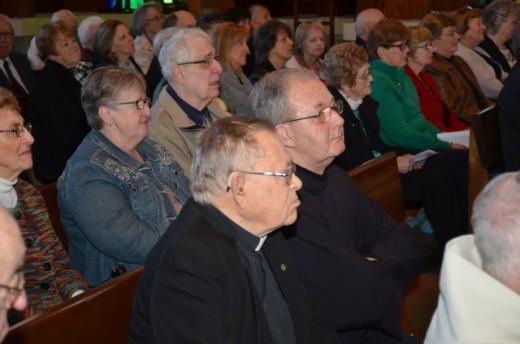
[{"x": 23, "y": 67}]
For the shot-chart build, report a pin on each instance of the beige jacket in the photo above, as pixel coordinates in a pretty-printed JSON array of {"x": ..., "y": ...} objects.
[{"x": 170, "y": 126}]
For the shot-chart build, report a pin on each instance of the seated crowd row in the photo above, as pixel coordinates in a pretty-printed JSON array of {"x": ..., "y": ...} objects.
[{"x": 125, "y": 166}]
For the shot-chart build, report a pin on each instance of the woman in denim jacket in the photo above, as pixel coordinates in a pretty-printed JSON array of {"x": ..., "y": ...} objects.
[{"x": 120, "y": 190}]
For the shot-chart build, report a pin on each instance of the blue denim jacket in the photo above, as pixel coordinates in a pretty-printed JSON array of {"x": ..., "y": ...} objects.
[{"x": 113, "y": 207}]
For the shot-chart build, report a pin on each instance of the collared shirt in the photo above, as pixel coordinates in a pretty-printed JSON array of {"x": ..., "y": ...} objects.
[
  {"x": 81, "y": 70},
  {"x": 13, "y": 70},
  {"x": 274, "y": 304},
  {"x": 201, "y": 118}
]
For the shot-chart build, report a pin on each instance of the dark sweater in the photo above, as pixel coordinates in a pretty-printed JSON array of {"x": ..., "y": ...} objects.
[{"x": 339, "y": 226}]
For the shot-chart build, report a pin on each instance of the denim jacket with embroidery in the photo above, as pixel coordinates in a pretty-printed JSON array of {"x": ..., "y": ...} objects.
[{"x": 115, "y": 208}]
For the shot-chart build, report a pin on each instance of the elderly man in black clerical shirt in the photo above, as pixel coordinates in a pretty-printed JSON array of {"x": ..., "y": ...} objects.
[
  {"x": 353, "y": 259},
  {"x": 222, "y": 273}
]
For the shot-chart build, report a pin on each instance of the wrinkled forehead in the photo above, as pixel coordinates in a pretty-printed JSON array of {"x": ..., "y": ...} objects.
[
  {"x": 5, "y": 25},
  {"x": 310, "y": 94}
]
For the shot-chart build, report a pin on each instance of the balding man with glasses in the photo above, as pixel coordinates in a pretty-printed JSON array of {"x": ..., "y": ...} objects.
[
  {"x": 15, "y": 70},
  {"x": 185, "y": 106},
  {"x": 221, "y": 273},
  {"x": 12, "y": 251},
  {"x": 353, "y": 259}
]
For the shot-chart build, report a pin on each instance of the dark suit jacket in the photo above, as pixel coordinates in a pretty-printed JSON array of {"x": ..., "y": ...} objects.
[
  {"x": 195, "y": 288},
  {"x": 491, "y": 48},
  {"x": 23, "y": 67},
  {"x": 508, "y": 103}
]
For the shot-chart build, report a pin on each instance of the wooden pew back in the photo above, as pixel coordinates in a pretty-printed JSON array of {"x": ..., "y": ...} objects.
[{"x": 100, "y": 315}]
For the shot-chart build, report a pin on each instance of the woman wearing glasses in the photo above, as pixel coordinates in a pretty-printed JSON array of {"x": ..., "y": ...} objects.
[
  {"x": 120, "y": 190},
  {"x": 347, "y": 73},
  {"x": 49, "y": 278},
  {"x": 402, "y": 121},
  {"x": 432, "y": 105},
  {"x": 57, "y": 117},
  {"x": 453, "y": 77}
]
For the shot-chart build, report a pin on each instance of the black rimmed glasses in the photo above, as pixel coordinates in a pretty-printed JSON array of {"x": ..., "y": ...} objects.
[
  {"x": 207, "y": 60},
  {"x": 18, "y": 129},
  {"x": 287, "y": 174},
  {"x": 427, "y": 46},
  {"x": 365, "y": 76},
  {"x": 14, "y": 292},
  {"x": 401, "y": 46},
  {"x": 7, "y": 34},
  {"x": 325, "y": 114},
  {"x": 139, "y": 103}
]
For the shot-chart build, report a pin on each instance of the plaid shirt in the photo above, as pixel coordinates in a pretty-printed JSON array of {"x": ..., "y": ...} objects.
[{"x": 81, "y": 71}]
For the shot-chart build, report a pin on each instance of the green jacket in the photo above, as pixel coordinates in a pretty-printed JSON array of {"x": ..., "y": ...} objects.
[{"x": 402, "y": 121}]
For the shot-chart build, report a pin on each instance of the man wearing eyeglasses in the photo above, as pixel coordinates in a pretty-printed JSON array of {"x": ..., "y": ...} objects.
[
  {"x": 12, "y": 251},
  {"x": 184, "y": 107},
  {"x": 15, "y": 71},
  {"x": 221, "y": 273},
  {"x": 353, "y": 259}
]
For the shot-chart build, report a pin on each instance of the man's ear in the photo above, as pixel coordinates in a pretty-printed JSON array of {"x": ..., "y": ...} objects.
[
  {"x": 236, "y": 182},
  {"x": 285, "y": 133},
  {"x": 106, "y": 115},
  {"x": 178, "y": 74}
]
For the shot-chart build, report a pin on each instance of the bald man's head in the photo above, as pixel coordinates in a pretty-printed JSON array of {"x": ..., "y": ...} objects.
[
  {"x": 66, "y": 17},
  {"x": 365, "y": 20}
]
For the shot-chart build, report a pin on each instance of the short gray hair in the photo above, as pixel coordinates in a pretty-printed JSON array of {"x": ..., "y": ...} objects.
[
  {"x": 103, "y": 86},
  {"x": 497, "y": 13},
  {"x": 230, "y": 144},
  {"x": 161, "y": 38},
  {"x": 139, "y": 16},
  {"x": 87, "y": 31},
  {"x": 176, "y": 50},
  {"x": 270, "y": 95},
  {"x": 7, "y": 19},
  {"x": 496, "y": 224}
]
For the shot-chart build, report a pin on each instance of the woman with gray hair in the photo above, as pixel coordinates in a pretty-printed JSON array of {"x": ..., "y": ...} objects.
[
  {"x": 120, "y": 190},
  {"x": 500, "y": 18},
  {"x": 309, "y": 46},
  {"x": 86, "y": 34},
  {"x": 147, "y": 21}
]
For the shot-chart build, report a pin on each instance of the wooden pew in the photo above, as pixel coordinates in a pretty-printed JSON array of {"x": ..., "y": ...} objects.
[
  {"x": 100, "y": 315},
  {"x": 50, "y": 196},
  {"x": 487, "y": 136},
  {"x": 379, "y": 178}
]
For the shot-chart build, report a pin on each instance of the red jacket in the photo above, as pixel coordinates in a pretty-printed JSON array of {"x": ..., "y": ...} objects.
[{"x": 432, "y": 104}]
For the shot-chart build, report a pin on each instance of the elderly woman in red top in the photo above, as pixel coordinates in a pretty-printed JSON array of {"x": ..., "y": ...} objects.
[
  {"x": 433, "y": 107},
  {"x": 49, "y": 279}
]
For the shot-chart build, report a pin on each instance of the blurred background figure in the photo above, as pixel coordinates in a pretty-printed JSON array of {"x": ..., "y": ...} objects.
[
  {"x": 66, "y": 17},
  {"x": 230, "y": 41},
  {"x": 208, "y": 19},
  {"x": 180, "y": 18},
  {"x": 433, "y": 107},
  {"x": 16, "y": 74},
  {"x": 259, "y": 15},
  {"x": 49, "y": 278},
  {"x": 309, "y": 46},
  {"x": 12, "y": 251},
  {"x": 120, "y": 190},
  {"x": 147, "y": 21},
  {"x": 273, "y": 48},
  {"x": 58, "y": 120},
  {"x": 86, "y": 35},
  {"x": 239, "y": 16},
  {"x": 364, "y": 22},
  {"x": 500, "y": 18},
  {"x": 471, "y": 30}
]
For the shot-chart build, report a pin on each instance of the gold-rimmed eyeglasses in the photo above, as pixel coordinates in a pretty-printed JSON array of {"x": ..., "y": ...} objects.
[
  {"x": 324, "y": 114},
  {"x": 18, "y": 129}
]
